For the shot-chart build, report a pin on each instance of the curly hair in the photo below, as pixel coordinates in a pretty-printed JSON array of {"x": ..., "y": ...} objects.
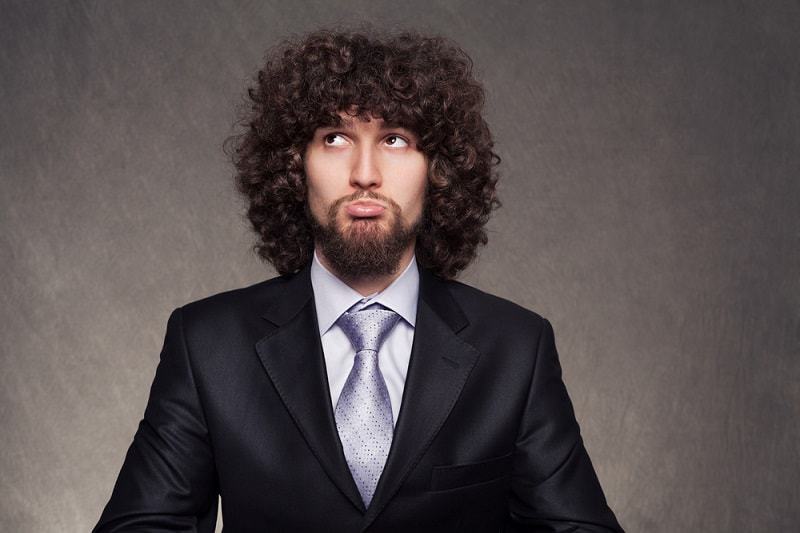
[{"x": 423, "y": 83}]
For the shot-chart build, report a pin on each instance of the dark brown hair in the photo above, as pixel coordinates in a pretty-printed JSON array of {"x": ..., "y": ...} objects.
[{"x": 422, "y": 83}]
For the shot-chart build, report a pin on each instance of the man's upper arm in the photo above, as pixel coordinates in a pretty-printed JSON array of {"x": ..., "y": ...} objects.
[
  {"x": 554, "y": 486},
  {"x": 168, "y": 481}
]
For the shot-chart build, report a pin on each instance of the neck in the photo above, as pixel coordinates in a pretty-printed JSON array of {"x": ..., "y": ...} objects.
[{"x": 366, "y": 285}]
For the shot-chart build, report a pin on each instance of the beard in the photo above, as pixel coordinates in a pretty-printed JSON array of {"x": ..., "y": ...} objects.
[{"x": 365, "y": 248}]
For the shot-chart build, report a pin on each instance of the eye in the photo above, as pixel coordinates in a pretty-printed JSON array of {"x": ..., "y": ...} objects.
[
  {"x": 396, "y": 141},
  {"x": 333, "y": 139}
]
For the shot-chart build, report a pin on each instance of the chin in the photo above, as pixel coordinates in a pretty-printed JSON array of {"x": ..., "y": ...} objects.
[{"x": 366, "y": 229}]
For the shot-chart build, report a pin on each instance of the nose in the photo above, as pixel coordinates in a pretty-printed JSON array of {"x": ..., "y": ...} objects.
[{"x": 365, "y": 173}]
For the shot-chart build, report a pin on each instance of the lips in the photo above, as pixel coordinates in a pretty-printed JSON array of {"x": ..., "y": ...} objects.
[{"x": 364, "y": 209}]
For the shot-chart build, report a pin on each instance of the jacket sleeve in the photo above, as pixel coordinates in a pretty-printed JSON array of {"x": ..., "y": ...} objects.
[
  {"x": 554, "y": 486},
  {"x": 168, "y": 480}
]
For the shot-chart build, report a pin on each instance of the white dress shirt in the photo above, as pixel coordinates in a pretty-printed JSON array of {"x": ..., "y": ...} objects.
[{"x": 332, "y": 297}]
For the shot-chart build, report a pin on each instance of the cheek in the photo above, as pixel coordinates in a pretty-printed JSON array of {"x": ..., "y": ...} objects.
[
  {"x": 313, "y": 200},
  {"x": 316, "y": 184},
  {"x": 326, "y": 177},
  {"x": 315, "y": 196},
  {"x": 418, "y": 187}
]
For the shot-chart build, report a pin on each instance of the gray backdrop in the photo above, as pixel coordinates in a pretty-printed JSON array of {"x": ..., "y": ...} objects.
[{"x": 649, "y": 176}]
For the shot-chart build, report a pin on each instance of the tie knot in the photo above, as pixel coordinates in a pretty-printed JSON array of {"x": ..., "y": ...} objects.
[{"x": 367, "y": 329}]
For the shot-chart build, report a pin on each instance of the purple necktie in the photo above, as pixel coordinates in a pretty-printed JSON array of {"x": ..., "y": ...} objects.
[{"x": 364, "y": 410}]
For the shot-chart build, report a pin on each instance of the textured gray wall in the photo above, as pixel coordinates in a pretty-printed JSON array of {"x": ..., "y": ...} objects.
[{"x": 650, "y": 182}]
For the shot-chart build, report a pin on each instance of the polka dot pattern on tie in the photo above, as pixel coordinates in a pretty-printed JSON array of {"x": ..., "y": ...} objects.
[{"x": 364, "y": 410}]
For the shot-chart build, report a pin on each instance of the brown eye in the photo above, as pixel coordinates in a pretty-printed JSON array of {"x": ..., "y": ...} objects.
[
  {"x": 333, "y": 139},
  {"x": 397, "y": 141}
]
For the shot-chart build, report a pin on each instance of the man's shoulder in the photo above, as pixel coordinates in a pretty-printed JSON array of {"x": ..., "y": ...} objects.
[
  {"x": 251, "y": 300},
  {"x": 487, "y": 308}
]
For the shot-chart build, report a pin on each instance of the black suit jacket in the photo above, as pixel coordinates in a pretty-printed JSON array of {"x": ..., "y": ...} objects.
[{"x": 486, "y": 439}]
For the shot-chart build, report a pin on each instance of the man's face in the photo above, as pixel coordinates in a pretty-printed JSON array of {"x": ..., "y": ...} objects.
[{"x": 366, "y": 189}]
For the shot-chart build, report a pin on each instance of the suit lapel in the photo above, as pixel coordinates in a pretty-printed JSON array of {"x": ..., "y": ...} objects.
[
  {"x": 439, "y": 366},
  {"x": 292, "y": 356}
]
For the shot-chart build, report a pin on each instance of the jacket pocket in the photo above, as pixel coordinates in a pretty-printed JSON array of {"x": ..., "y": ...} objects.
[{"x": 456, "y": 476}]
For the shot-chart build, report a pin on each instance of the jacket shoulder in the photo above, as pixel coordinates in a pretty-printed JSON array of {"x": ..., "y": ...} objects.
[
  {"x": 243, "y": 301},
  {"x": 488, "y": 308},
  {"x": 498, "y": 326}
]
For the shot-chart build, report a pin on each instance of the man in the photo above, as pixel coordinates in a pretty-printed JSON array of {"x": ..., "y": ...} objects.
[{"x": 364, "y": 389}]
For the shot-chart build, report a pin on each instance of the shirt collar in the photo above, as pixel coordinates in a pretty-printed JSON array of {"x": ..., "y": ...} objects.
[{"x": 333, "y": 297}]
